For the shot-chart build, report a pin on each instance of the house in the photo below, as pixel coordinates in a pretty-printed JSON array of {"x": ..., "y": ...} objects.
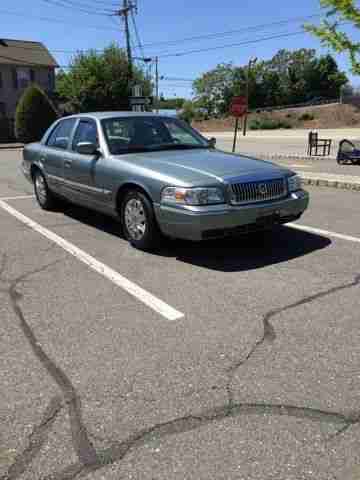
[{"x": 22, "y": 63}]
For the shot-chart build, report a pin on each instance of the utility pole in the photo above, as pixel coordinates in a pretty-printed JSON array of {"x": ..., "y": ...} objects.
[
  {"x": 125, "y": 13},
  {"x": 157, "y": 83},
  {"x": 252, "y": 62}
]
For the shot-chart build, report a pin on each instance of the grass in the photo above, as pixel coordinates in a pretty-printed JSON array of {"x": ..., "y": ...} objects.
[{"x": 268, "y": 124}]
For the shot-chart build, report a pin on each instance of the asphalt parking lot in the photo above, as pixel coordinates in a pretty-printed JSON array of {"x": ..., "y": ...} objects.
[{"x": 235, "y": 359}]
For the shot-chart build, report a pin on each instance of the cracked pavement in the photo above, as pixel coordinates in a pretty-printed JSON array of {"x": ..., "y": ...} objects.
[{"x": 260, "y": 379}]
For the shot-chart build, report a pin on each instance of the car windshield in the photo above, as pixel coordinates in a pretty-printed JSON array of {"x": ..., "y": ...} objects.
[{"x": 145, "y": 134}]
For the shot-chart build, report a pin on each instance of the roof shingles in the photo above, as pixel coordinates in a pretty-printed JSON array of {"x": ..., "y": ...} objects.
[{"x": 20, "y": 52}]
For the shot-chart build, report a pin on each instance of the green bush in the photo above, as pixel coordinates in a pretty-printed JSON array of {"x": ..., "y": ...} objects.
[
  {"x": 34, "y": 115},
  {"x": 306, "y": 116},
  {"x": 268, "y": 124}
]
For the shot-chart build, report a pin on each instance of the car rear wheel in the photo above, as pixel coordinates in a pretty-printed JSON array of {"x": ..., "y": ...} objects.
[
  {"x": 43, "y": 195},
  {"x": 138, "y": 221}
]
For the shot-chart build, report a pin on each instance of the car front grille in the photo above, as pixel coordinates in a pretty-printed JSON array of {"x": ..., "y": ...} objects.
[{"x": 262, "y": 191}]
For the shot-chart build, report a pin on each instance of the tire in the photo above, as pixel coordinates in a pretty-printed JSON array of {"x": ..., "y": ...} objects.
[
  {"x": 138, "y": 221},
  {"x": 44, "y": 196}
]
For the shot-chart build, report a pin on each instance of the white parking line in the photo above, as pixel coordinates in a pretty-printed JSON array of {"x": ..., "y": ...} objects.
[
  {"x": 139, "y": 293},
  {"x": 318, "y": 231},
  {"x": 18, "y": 197}
]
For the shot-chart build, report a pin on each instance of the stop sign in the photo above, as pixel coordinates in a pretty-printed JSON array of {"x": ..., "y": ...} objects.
[{"x": 238, "y": 106}]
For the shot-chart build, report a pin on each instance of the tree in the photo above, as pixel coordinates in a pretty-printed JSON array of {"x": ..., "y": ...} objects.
[
  {"x": 213, "y": 90},
  {"x": 98, "y": 81},
  {"x": 290, "y": 77},
  {"x": 330, "y": 34},
  {"x": 171, "y": 103},
  {"x": 323, "y": 78},
  {"x": 34, "y": 115}
]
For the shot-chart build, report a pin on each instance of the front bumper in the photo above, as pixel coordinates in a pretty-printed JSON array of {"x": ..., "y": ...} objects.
[{"x": 201, "y": 223}]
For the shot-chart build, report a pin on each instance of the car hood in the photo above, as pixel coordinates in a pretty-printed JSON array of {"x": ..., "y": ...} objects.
[{"x": 210, "y": 166}]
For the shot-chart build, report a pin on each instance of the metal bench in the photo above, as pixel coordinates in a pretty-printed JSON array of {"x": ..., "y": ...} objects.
[
  {"x": 319, "y": 147},
  {"x": 349, "y": 152}
]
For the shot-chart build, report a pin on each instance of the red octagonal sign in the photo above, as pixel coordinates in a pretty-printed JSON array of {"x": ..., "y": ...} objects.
[{"x": 238, "y": 106}]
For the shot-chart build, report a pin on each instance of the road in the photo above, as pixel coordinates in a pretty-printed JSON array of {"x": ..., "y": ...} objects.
[
  {"x": 257, "y": 379},
  {"x": 283, "y": 142}
]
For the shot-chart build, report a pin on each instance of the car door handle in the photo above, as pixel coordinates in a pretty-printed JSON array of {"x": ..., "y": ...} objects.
[{"x": 68, "y": 163}]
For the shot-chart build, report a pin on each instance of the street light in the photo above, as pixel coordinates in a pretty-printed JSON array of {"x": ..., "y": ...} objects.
[{"x": 252, "y": 62}]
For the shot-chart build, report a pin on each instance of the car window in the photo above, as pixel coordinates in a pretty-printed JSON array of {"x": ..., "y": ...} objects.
[
  {"x": 85, "y": 132},
  {"x": 60, "y": 136},
  {"x": 134, "y": 134}
]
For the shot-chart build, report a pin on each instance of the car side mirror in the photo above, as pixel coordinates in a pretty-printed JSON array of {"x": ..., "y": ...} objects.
[
  {"x": 212, "y": 142},
  {"x": 87, "y": 148}
]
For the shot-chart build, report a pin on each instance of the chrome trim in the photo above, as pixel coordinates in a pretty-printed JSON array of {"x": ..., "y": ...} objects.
[
  {"x": 257, "y": 191},
  {"x": 80, "y": 186}
]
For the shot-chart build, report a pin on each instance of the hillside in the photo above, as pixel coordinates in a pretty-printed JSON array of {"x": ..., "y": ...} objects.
[{"x": 321, "y": 116}]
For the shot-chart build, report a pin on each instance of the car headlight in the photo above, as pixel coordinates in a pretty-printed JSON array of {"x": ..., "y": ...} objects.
[
  {"x": 294, "y": 183},
  {"x": 192, "y": 196}
]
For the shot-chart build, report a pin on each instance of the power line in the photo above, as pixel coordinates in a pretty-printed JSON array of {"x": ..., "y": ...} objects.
[
  {"x": 70, "y": 5},
  {"x": 137, "y": 33},
  {"x": 98, "y": 4},
  {"x": 233, "y": 32},
  {"x": 221, "y": 47},
  {"x": 55, "y": 20}
]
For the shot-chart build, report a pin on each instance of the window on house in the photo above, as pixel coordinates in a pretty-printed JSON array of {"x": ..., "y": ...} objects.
[
  {"x": 1, "y": 80},
  {"x": 23, "y": 77},
  {"x": 32, "y": 75}
]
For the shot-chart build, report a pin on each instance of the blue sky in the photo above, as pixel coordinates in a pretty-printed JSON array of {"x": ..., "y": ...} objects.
[{"x": 165, "y": 21}]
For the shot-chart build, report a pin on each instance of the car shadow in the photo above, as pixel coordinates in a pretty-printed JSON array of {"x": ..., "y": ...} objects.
[
  {"x": 248, "y": 252},
  {"x": 233, "y": 254}
]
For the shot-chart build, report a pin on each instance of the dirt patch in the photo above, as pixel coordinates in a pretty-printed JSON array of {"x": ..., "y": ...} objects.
[{"x": 324, "y": 116}]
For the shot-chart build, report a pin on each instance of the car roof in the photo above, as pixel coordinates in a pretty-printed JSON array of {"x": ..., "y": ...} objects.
[{"x": 106, "y": 115}]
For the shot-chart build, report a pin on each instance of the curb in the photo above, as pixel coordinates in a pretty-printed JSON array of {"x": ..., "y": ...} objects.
[
  {"x": 291, "y": 156},
  {"x": 11, "y": 147},
  {"x": 353, "y": 185},
  {"x": 321, "y": 179}
]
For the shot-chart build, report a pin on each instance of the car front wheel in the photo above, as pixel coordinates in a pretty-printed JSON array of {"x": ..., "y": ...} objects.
[
  {"x": 43, "y": 195},
  {"x": 138, "y": 221}
]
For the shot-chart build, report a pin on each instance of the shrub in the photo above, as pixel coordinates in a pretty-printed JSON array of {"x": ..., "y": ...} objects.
[
  {"x": 306, "y": 116},
  {"x": 268, "y": 124},
  {"x": 34, "y": 115}
]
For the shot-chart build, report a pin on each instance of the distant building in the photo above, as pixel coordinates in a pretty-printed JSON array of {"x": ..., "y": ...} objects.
[{"x": 22, "y": 63}]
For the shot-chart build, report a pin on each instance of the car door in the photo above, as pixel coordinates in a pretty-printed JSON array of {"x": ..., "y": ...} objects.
[
  {"x": 80, "y": 169},
  {"x": 55, "y": 152}
]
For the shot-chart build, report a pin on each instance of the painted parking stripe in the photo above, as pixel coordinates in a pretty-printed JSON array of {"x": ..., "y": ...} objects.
[
  {"x": 139, "y": 293},
  {"x": 18, "y": 197},
  {"x": 328, "y": 233}
]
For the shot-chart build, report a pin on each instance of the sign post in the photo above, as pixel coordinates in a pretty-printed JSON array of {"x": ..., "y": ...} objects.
[{"x": 238, "y": 108}]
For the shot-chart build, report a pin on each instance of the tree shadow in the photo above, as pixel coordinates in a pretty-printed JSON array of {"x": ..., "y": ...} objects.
[{"x": 232, "y": 254}]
